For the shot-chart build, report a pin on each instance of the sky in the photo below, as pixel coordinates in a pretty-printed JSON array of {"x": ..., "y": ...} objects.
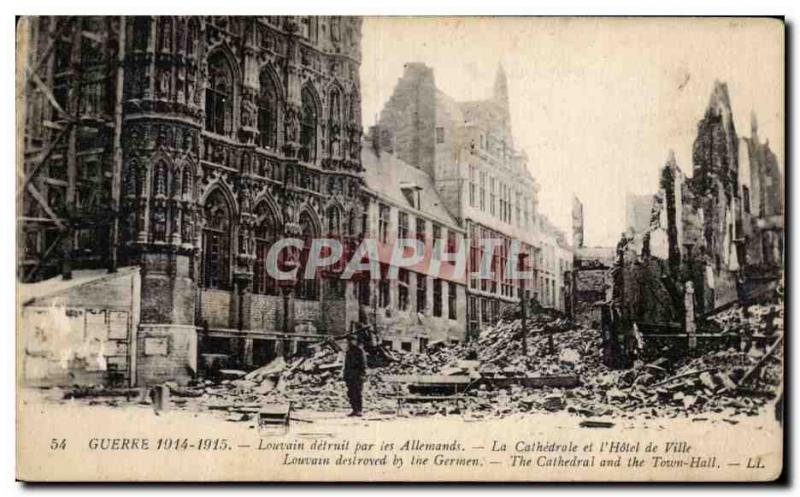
[{"x": 596, "y": 103}]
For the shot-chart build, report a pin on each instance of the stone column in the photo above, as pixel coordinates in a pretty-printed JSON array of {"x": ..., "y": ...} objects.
[{"x": 691, "y": 327}]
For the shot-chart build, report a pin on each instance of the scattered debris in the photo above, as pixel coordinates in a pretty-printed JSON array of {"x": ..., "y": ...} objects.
[
  {"x": 595, "y": 424},
  {"x": 563, "y": 371}
]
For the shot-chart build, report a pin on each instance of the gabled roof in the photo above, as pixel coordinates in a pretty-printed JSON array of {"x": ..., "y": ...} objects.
[
  {"x": 29, "y": 293},
  {"x": 385, "y": 174}
]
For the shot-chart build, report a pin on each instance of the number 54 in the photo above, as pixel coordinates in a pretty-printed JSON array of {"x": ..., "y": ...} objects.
[{"x": 58, "y": 444}]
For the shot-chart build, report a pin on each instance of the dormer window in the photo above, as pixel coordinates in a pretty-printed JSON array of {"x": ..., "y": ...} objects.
[{"x": 412, "y": 193}]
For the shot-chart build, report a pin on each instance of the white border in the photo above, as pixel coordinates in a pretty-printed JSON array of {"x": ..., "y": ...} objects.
[{"x": 407, "y": 7}]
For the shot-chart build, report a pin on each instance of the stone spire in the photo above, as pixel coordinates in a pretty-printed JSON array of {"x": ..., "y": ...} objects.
[
  {"x": 501, "y": 87},
  {"x": 500, "y": 97}
]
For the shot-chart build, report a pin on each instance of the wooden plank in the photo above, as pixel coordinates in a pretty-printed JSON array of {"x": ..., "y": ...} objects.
[
  {"x": 427, "y": 379},
  {"x": 427, "y": 398},
  {"x": 67, "y": 22},
  {"x": 685, "y": 336},
  {"x": 660, "y": 326},
  {"x": 43, "y": 202},
  {"x": 761, "y": 362},
  {"x": 554, "y": 381},
  {"x": 42, "y": 158},
  {"x": 684, "y": 375}
]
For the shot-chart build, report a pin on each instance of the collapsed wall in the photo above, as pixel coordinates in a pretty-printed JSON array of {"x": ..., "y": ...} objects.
[{"x": 695, "y": 231}]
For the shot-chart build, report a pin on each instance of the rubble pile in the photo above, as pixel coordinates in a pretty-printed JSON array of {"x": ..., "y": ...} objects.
[
  {"x": 728, "y": 382},
  {"x": 555, "y": 346}
]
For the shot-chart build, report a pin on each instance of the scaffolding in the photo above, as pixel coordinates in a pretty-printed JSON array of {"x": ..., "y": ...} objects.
[{"x": 70, "y": 74}]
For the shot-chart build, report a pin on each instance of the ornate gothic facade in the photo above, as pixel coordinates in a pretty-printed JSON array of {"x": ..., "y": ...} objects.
[{"x": 214, "y": 136}]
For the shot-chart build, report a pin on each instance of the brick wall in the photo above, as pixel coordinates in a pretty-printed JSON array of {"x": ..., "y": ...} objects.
[
  {"x": 168, "y": 293},
  {"x": 215, "y": 307},
  {"x": 165, "y": 353},
  {"x": 264, "y": 312},
  {"x": 307, "y": 311}
]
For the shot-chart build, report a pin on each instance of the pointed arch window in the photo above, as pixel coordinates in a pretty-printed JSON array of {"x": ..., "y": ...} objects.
[
  {"x": 308, "y": 127},
  {"x": 160, "y": 180},
  {"x": 307, "y": 289},
  {"x": 266, "y": 234},
  {"x": 268, "y": 111},
  {"x": 219, "y": 95},
  {"x": 187, "y": 185},
  {"x": 335, "y": 114},
  {"x": 216, "y": 242},
  {"x": 333, "y": 217},
  {"x": 354, "y": 225}
]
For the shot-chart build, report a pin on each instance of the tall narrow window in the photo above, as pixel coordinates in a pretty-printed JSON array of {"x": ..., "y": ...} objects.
[
  {"x": 493, "y": 196},
  {"x": 335, "y": 123},
  {"x": 422, "y": 293},
  {"x": 307, "y": 289},
  {"x": 383, "y": 287},
  {"x": 308, "y": 127},
  {"x": 402, "y": 289},
  {"x": 158, "y": 218},
  {"x": 483, "y": 191},
  {"x": 526, "y": 208},
  {"x": 266, "y": 234},
  {"x": 216, "y": 242},
  {"x": 354, "y": 226},
  {"x": 452, "y": 242},
  {"x": 333, "y": 220},
  {"x": 437, "y": 298},
  {"x": 402, "y": 225},
  {"x": 472, "y": 187},
  {"x": 452, "y": 300},
  {"x": 436, "y": 237},
  {"x": 421, "y": 228},
  {"x": 219, "y": 95},
  {"x": 383, "y": 223},
  {"x": 267, "y": 112}
]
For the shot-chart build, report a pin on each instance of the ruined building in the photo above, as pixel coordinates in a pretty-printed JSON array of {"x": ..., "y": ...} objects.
[
  {"x": 183, "y": 148},
  {"x": 588, "y": 283},
  {"x": 763, "y": 204},
  {"x": 467, "y": 149},
  {"x": 721, "y": 229}
]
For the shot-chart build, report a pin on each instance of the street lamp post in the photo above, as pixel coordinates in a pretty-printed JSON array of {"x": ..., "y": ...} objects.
[{"x": 524, "y": 306}]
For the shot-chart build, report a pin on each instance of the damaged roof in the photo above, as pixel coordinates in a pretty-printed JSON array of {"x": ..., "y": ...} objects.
[{"x": 30, "y": 293}]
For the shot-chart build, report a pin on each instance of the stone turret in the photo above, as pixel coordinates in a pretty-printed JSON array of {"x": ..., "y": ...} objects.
[{"x": 500, "y": 97}]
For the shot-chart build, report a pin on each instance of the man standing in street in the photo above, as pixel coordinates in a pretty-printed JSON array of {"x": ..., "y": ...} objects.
[{"x": 355, "y": 368}]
